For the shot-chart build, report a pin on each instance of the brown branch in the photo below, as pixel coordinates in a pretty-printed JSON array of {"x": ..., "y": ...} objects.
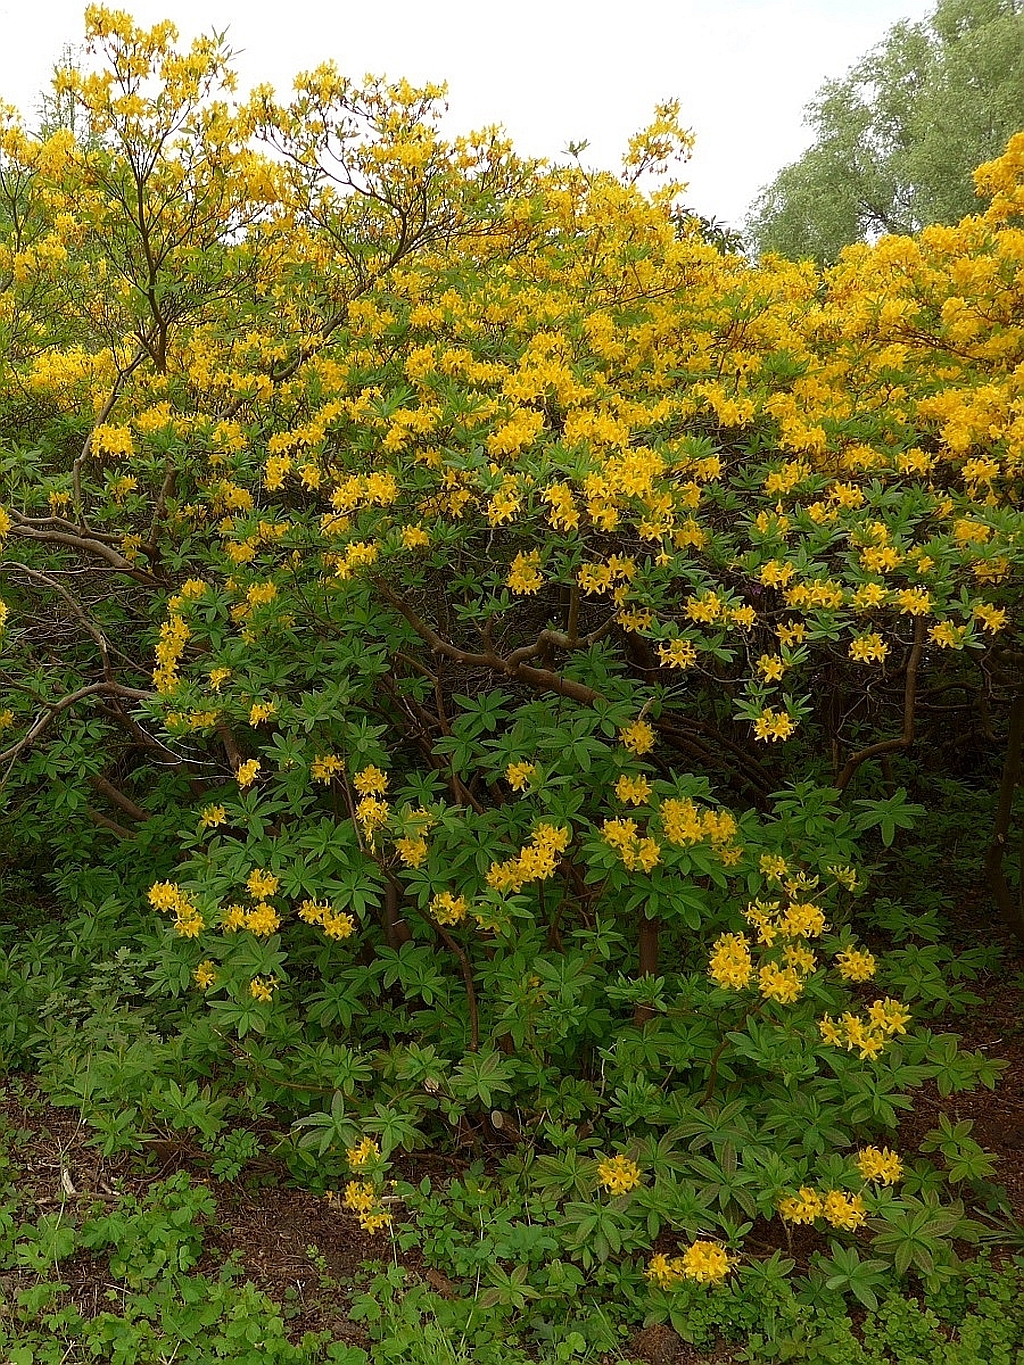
[
  {"x": 53, "y": 709},
  {"x": 118, "y": 797},
  {"x": 88, "y": 544},
  {"x": 904, "y": 741},
  {"x": 104, "y": 823},
  {"x": 79, "y": 611},
  {"x": 231, "y": 749},
  {"x": 432, "y": 638},
  {"x": 546, "y": 681}
]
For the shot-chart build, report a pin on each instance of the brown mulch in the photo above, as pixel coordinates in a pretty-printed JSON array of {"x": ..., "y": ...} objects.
[{"x": 307, "y": 1254}]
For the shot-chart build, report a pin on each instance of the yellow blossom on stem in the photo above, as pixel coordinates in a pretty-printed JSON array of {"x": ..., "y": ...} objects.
[
  {"x": 880, "y": 1165},
  {"x": 634, "y": 790},
  {"x": 730, "y": 964},
  {"x": 638, "y": 737},
  {"x": 618, "y": 1174},
  {"x": 262, "y": 988},
  {"x": 855, "y": 964},
  {"x": 205, "y": 974},
  {"x": 803, "y": 1207},
  {"x": 518, "y": 775},
  {"x": 370, "y": 781},
  {"x": 247, "y": 772},
  {"x": 262, "y": 883}
]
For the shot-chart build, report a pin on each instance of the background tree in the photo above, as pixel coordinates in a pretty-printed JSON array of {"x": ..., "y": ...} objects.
[{"x": 897, "y": 138}]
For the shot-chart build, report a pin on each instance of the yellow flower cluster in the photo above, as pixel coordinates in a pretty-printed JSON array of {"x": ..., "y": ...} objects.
[
  {"x": 335, "y": 923},
  {"x": 842, "y": 1210},
  {"x": 364, "y": 1151},
  {"x": 326, "y": 767},
  {"x": 618, "y": 1174},
  {"x": 633, "y": 790},
  {"x": 771, "y": 726},
  {"x": 880, "y": 1165},
  {"x": 731, "y": 965},
  {"x": 638, "y": 737},
  {"x": 519, "y": 775},
  {"x": 537, "y": 861},
  {"x": 169, "y": 898},
  {"x": 800, "y": 919},
  {"x": 247, "y": 772},
  {"x": 362, "y": 1199},
  {"x": 639, "y": 852},
  {"x": 212, "y": 816},
  {"x": 677, "y": 653},
  {"x": 174, "y": 636},
  {"x": 205, "y": 974},
  {"x": 869, "y": 648},
  {"x": 262, "y": 988},
  {"x": 885, "y": 1018},
  {"x": 448, "y": 909},
  {"x": 684, "y": 824},
  {"x": 524, "y": 576},
  {"x": 262, "y": 918},
  {"x": 704, "y": 1262},
  {"x": 855, "y": 964}
]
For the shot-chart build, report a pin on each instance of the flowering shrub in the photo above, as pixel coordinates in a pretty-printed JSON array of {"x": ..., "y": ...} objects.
[{"x": 426, "y": 567}]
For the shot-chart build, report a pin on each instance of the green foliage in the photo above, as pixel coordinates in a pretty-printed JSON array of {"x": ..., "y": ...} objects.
[{"x": 896, "y": 140}]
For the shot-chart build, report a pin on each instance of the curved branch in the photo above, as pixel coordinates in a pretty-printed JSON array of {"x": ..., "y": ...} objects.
[
  {"x": 904, "y": 741},
  {"x": 53, "y": 709}
]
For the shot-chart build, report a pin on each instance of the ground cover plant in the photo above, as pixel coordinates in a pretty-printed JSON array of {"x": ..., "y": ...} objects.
[{"x": 473, "y": 655}]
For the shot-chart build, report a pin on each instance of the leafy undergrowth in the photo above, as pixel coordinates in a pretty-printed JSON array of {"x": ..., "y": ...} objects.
[{"x": 145, "y": 1257}]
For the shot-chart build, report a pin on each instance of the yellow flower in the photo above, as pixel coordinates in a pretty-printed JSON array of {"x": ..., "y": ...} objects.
[
  {"x": 325, "y": 767},
  {"x": 773, "y": 866},
  {"x": 262, "y": 920},
  {"x": 678, "y": 653},
  {"x": 212, "y": 816},
  {"x": 205, "y": 974},
  {"x": 880, "y": 1165},
  {"x": 730, "y": 965},
  {"x": 337, "y": 924},
  {"x": 771, "y": 667},
  {"x": 246, "y": 773},
  {"x": 635, "y": 790},
  {"x": 991, "y": 618},
  {"x": 518, "y": 775},
  {"x": 262, "y": 988},
  {"x": 262, "y": 883},
  {"x": 844, "y": 1210},
  {"x": 780, "y": 983},
  {"x": 638, "y": 737},
  {"x": 412, "y": 850},
  {"x": 524, "y": 576},
  {"x": 365, "y": 1150},
  {"x": 706, "y": 1262},
  {"x": 370, "y": 782},
  {"x": 855, "y": 964},
  {"x": 773, "y": 725},
  {"x": 802, "y": 1207},
  {"x": 869, "y": 648},
  {"x": 448, "y": 909},
  {"x": 618, "y": 1175}
]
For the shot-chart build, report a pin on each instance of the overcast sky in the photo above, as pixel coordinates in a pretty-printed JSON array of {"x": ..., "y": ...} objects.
[{"x": 552, "y": 71}]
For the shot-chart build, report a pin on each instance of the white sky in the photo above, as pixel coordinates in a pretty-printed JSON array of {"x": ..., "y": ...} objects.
[{"x": 551, "y": 71}]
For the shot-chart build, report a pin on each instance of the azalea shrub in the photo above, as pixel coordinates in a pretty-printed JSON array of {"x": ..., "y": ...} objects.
[{"x": 480, "y": 619}]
